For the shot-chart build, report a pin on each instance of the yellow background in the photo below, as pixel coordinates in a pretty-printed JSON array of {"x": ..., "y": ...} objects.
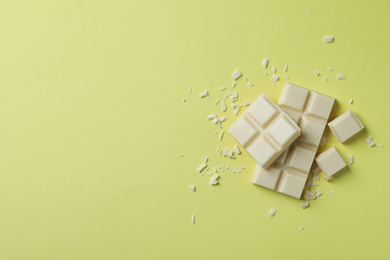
[{"x": 91, "y": 100}]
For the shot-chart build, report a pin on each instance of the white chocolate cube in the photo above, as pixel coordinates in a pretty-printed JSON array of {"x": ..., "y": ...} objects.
[
  {"x": 345, "y": 126},
  {"x": 265, "y": 131},
  {"x": 330, "y": 161},
  {"x": 310, "y": 110}
]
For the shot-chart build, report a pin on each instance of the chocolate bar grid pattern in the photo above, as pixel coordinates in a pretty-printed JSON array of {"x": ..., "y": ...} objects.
[
  {"x": 310, "y": 110},
  {"x": 264, "y": 130}
]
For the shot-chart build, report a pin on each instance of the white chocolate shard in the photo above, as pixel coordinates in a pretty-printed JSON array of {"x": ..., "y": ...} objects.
[
  {"x": 204, "y": 94},
  {"x": 236, "y": 171},
  {"x": 308, "y": 195},
  {"x": 351, "y": 159},
  {"x": 330, "y": 69},
  {"x": 328, "y": 39},
  {"x": 200, "y": 168},
  {"x": 305, "y": 205},
  {"x": 380, "y": 145},
  {"x": 219, "y": 150},
  {"x": 236, "y": 74},
  {"x": 228, "y": 153},
  {"x": 351, "y": 101},
  {"x": 264, "y": 63},
  {"x": 309, "y": 11},
  {"x": 213, "y": 179},
  {"x": 265, "y": 73},
  {"x": 285, "y": 68},
  {"x": 192, "y": 187},
  {"x": 222, "y": 119},
  {"x": 234, "y": 84},
  {"x": 340, "y": 76},
  {"x": 318, "y": 193},
  {"x": 250, "y": 84},
  {"x": 316, "y": 170},
  {"x": 275, "y": 78},
  {"x": 370, "y": 142},
  {"x": 221, "y": 135},
  {"x": 205, "y": 159},
  {"x": 211, "y": 117},
  {"x": 325, "y": 79},
  {"x": 222, "y": 88},
  {"x": 273, "y": 69},
  {"x": 247, "y": 103},
  {"x": 224, "y": 108},
  {"x": 193, "y": 218},
  {"x": 316, "y": 73},
  {"x": 190, "y": 89},
  {"x": 237, "y": 150},
  {"x": 272, "y": 212},
  {"x": 301, "y": 228},
  {"x": 323, "y": 141}
]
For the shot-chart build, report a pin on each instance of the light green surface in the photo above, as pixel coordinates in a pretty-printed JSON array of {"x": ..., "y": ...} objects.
[{"x": 91, "y": 100}]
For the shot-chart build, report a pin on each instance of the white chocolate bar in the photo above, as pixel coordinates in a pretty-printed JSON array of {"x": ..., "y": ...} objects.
[
  {"x": 264, "y": 130},
  {"x": 330, "y": 161},
  {"x": 310, "y": 110},
  {"x": 345, "y": 126}
]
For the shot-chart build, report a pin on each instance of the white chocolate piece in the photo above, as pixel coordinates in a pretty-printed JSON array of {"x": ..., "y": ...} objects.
[
  {"x": 247, "y": 103},
  {"x": 222, "y": 88},
  {"x": 285, "y": 68},
  {"x": 345, "y": 126},
  {"x": 237, "y": 150},
  {"x": 275, "y": 78},
  {"x": 340, "y": 76},
  {"x": 328, "y": 39},
  {"x": 200, "y": 168},
  {"x": 272, "y": 212},
  {"x": 370, "y": 142},
  {"x": 224, "y": 108},
  {"x": 211, "y": 117},
  {"x": 264, "y": 130},
  {"x": 351, "y": 159},
  {"x": 273, "y": 69},
  {"x": 311, "y": 110},
  {"x": 305, "y": 205},
  {"x": 236, "y": 74},
  {"x": 264, "y": 63},
  {"x": 330, "y": 162},
  {"x": 192, "y": 187},
  {"x": 219, "y": 150},
  {"x": 221, "y": 135},
  {"x": 204, "y": 94},
  {"x": 250, "y": 84},
  {"x": 228, "y": 153},
  {"x": 193, "y": 218},
  {"x": 234, "y": 84},
  {"x": 316, "y": 73},
  {"x": 213, "y": 180}
]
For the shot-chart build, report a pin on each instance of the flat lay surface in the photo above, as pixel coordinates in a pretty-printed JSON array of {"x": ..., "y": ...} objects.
[{"x": 96, "y": 111}]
